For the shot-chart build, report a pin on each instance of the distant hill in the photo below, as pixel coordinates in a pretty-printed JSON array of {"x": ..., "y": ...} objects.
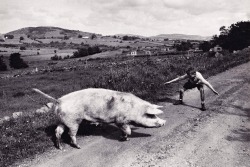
[
  {"x": 122, "y": 35},
  {"x": 57, "y": 32},
  {"x": 48, "y": 32},
  {"x": 181, "y": 36}
]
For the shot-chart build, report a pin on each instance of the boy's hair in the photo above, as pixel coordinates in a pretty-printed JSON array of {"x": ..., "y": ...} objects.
[{"x": 190, "y": 70}]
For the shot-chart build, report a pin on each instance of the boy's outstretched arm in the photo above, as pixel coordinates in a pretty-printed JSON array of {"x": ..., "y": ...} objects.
[
  {"x": 204, "y": 81},
  {"x": 176, "y": 79}
]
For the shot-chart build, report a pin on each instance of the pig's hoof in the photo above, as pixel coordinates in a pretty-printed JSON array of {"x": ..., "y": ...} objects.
[{"x": 77, "y": 146}]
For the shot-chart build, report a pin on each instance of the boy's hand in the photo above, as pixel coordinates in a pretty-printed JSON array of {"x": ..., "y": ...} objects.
[{"x": 216, "y": 93}]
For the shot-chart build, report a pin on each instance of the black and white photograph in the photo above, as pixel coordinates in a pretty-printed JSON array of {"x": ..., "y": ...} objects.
[{"x": 124, "y": 83}]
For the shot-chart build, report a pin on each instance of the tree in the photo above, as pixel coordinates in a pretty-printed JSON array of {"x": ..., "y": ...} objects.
[
  {"x": 9, "y": 36},
  {"x": 93, "y": 36},
  {"x": 22, "y": 48},
  {"x": 96, "y": 49},
  {"x": 205, "y": 46},
  {"x": 236, "y": 37},
  {"x": 82, "y": 52},
  {"x": 184, "y": 46},
  {"x": 65, "y": 37},
  {"x": 79, "y": 36},
  {"x": 16, "y": 61},
  {"x": 125, "y": 38},
  {"x": 3, "y": 66},
  {"x": 21, "y": 38}
]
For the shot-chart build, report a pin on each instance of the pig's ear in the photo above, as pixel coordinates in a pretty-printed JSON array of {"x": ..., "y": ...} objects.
[{"x": 153, "y": 111}]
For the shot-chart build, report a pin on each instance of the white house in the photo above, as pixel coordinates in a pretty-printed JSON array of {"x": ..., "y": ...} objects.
[
  {"x": 217, "y": 48},
  {"x": 86, "y": 37},
  {"x": 140, "y": 52}
]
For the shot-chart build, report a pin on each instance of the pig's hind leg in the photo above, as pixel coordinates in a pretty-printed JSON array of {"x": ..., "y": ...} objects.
[
  {"x": 126, "y": 130},
  {"x": 59, "y": 131},
  {"x": 73, "y": 128}
]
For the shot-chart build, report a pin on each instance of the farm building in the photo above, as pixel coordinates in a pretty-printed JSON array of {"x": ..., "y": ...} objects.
[
  {"x": 217, "y": 48},
  {"x": 140, "y": 52}
]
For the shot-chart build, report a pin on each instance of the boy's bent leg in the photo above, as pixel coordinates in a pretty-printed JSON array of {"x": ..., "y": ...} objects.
[
  {"x": 181, "y": 93},
  {"x": 202, "y": 94}
]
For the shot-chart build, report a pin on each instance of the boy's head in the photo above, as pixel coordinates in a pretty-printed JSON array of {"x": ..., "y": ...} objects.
[{"x": 190, "y": 71}]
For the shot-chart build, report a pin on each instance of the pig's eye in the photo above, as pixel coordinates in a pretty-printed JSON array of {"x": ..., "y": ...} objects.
[{"x": 152, "y": 116}]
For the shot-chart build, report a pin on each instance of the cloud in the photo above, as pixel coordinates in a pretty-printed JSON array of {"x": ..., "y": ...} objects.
[{"x": 142, "y": 17}]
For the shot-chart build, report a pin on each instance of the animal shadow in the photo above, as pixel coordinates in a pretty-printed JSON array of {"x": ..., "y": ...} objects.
[
  {"x": 167, "y": 99},
  {"x": 108, "y": 131}
]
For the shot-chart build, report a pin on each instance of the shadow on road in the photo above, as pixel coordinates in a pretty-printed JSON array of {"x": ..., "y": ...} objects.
[
  {"x": 242, "y": 134},
  {"x": 108, "y": 131},
  {"x": 174, "y": 101},
  {"x": 239, "y": 135}
]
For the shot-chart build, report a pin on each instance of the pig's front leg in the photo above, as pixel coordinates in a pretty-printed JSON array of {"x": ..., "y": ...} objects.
[{"x": 126, "y": 130}]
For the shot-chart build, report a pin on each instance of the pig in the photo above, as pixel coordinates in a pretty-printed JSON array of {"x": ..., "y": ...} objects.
[{"x": 99, "y": 105}]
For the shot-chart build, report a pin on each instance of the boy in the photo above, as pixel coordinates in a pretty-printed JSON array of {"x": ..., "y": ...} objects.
[{"x": 195, "y": 80}]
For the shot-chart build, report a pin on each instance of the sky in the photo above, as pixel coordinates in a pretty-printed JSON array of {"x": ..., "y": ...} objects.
[{"x": 138, "y": 17}]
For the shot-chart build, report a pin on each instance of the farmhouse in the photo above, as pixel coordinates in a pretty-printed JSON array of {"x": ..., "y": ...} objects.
[
  {"x": 140, "y": 52},
  {"x": 217, "y": 48}
]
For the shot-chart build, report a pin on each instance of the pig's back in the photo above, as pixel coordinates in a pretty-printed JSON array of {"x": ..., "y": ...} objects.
[{"x": 96, "y": 104}]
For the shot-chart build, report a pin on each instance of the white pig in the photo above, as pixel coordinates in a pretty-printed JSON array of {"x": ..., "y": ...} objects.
[{"x": 102, "y": 106}]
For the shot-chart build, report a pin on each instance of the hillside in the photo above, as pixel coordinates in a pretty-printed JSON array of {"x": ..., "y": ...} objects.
[
  {"x": 57, "y": 32},
  {"x": 48, "y": 32},
  {"x": 181, "y": 36}
]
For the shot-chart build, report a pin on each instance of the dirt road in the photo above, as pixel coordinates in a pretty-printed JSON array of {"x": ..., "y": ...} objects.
[{"x": 218, "y": 137}]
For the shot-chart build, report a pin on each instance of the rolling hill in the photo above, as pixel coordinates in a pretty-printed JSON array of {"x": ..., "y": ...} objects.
[
  {"x": 57, "y": 32},
  {"x": 181, "y": 36},
  {"x": 48, "y": 32}
]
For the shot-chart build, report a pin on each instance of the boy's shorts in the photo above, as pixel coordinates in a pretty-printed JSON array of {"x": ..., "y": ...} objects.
[{"x": 190, "y": 85}]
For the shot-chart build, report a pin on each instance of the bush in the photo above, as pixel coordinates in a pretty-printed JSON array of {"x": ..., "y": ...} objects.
[
  {"x": 22, "y": 48},
  {"x": 16, "y": 61},
  {"x": 3, "y": 66},
  {"x": 9, "y": 36},
  {"x": 56, "y": 57},
  {"x": 82, "y": 52}
]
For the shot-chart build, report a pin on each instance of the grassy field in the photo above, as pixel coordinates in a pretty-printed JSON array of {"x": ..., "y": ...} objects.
[{"x": 142, "y": 76}]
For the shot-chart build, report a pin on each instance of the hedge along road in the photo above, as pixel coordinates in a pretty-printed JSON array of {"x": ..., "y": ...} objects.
[{"x": 219, "y": 136}]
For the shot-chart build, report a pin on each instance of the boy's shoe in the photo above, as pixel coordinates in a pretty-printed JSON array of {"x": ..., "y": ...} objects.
[
  {"x": 203, "y": 108},
  {"x": 179, "y": 102}
]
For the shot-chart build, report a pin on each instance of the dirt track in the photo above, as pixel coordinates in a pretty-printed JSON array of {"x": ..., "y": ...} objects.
[{"x": 218, "y": 137}]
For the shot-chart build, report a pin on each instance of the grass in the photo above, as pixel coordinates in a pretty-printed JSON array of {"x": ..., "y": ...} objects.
[
  {"x": 20, "y": 136},
  {"x": 143, "y": 76}
]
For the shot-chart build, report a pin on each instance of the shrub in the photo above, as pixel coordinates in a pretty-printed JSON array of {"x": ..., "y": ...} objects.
[
  {"x": 22, "y": 48},
  {"x": 3, "y": 66},
  {"x": 82, "y": 52},
  {"x": 16, "y": 61},
  {"x": 56, "y": 57},
  {"x": 9, "y": 36}
]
